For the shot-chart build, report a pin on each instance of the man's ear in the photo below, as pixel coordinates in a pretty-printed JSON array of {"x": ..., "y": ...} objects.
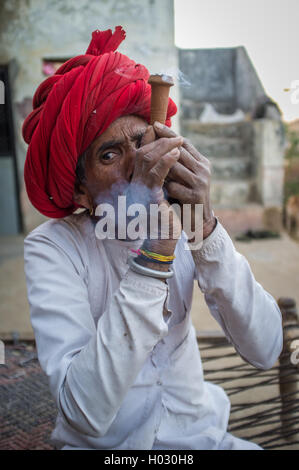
[{"x": 81, "y": 196}]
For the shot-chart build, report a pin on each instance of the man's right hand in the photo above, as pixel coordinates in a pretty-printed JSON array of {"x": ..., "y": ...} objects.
[{"x": 153, "y": 161}]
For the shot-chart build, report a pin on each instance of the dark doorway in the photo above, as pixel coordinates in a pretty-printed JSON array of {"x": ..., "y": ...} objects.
[{"x": 10, "y": 220}]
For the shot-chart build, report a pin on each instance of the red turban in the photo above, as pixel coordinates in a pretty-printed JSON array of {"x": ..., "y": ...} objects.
[{"x": 71, "y": 109}]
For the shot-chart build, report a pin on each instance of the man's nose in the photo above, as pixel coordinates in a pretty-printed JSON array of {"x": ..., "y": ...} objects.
[{"x": 130, "y": 163}]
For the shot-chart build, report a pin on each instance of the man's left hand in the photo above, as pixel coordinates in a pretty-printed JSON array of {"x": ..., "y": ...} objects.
[{"x": 189, "y": 179}]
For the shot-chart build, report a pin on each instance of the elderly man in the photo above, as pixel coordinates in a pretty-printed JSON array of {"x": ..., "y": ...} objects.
[{"x": 116, "y": 339}]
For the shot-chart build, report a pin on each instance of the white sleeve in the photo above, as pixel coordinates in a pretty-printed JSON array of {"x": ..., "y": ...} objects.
[
  {"x": 84, "y": 361},
  {"x": 248, "y": 315}
]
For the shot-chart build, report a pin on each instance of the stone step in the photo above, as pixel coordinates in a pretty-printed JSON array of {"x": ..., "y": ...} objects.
[
  {"x": 221, "y": 147},
  {"x": 242, "y": 129},
  {"x": 190, "y": 109},
  {"x": 232, "y": 193},
  {"x": 232, "y": 168}
]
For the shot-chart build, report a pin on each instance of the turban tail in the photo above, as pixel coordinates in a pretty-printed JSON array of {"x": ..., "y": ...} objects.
[{"x": 71, "y": 109}]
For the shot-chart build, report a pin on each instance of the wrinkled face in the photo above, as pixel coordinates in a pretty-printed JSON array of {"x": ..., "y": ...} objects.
[{"x": 111, "y": 158}]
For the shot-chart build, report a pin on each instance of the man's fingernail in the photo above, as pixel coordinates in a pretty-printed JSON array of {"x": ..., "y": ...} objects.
[{"x": 158, "y": 124}]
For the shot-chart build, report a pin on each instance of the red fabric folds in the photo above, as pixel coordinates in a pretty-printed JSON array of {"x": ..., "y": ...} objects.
[{"x": 71, "y": 109}]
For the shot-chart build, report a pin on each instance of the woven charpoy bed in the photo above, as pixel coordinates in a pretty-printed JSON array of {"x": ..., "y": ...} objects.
[{"x": 264, "y": 404}]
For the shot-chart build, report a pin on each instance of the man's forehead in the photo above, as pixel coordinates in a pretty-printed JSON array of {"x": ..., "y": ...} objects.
[
  {"x": 126, "y": 125},
  {"x": 122, "y": 128}
]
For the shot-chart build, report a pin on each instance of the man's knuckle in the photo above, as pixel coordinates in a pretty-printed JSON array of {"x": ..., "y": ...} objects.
[
  {"x": 164, "y": 141},
  {"x": 194, "y": 193},
  {"x": 209, "y": 171},
  {"x": 207, "y": 162},
  {"x": 153, "y": 173},
  {"x": 196, "y": 165},
  {"x": 166, "y": 160},
  {"x": 194, "y": 180},
  {"x": 147, "y": 157},
  {"x": 205, "y": 182}
]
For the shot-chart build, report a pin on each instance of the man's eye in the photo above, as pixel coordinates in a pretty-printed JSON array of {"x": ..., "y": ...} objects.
[{"x": 107, "y": 157}]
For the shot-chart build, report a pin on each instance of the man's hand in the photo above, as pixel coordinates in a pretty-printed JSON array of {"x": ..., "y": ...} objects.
[
  {"x": 154, "y": 159},
  {"x": 189, "y": 179}
]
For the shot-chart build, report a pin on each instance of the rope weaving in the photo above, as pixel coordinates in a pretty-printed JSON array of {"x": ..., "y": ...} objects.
[
  {"x": 260, "y": 410},
  {"x": 27, "y": 410}
]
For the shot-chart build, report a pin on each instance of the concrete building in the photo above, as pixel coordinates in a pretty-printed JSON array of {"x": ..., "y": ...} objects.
[{"x": 227, "y": 115}]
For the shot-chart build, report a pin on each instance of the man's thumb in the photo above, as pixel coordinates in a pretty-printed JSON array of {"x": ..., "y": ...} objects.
[{"x": 149, "y": 136}]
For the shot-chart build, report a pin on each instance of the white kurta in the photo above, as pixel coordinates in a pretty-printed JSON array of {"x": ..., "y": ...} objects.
[{"x": 123, "y": 375}]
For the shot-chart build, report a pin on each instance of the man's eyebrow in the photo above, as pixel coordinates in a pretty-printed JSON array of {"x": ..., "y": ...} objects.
[
  {"x": 116, "y": 142},
  {"x": 110, "y": 144},
  {"x": 138, "y": 135}
]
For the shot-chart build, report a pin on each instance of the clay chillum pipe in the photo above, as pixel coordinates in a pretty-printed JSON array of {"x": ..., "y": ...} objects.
[{"x": 159, "y": 99}]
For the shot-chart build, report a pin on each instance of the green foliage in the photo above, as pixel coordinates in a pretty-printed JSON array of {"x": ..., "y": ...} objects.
[
  {"x": 291, "y": 188},
  {"x": 291, "y": 183},
  {"x": 293, "y": 148}
]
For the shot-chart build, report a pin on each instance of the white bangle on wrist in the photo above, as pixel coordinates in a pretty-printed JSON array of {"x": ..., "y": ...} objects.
[{"x": 139, "y": 269}]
